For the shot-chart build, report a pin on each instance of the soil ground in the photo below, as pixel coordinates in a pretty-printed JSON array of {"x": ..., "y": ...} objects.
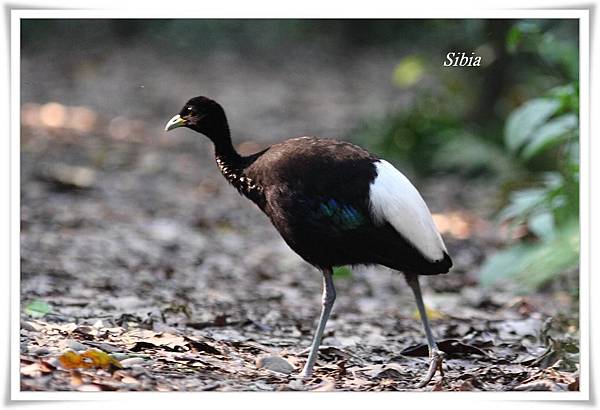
[{"x": 134, "y": 245}]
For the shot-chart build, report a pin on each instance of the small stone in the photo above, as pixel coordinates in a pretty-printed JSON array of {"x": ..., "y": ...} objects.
[
  {"x": 75, "y": 345},
  {"x": 131, "y": 361},
  {"x": 297, "y": 385},
  {"x": 40, "y": 351},
  {"x": 119, "y": 356},
  {"x": 67, "y": 176},
  {"x": 274, "y": 363},
  {"x": 30, "y": 326},
  {"x": 108, "y": 348},
  {"x": 86, "y": 330},
  {"x": 137, "y": 370},
  {"x": 129, "y": 380}
]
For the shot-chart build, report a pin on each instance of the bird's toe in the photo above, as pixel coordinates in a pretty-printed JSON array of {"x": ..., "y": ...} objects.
[{"x": 436, "y": 357}]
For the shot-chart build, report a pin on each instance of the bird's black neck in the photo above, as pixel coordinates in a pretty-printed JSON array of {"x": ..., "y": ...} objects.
[
  {"x": 227, "y": 157},
  {"x": 232, "y": 165}
]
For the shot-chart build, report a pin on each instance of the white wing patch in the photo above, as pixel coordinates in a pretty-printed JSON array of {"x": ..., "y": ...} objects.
[{"x": 395, "y": 200}]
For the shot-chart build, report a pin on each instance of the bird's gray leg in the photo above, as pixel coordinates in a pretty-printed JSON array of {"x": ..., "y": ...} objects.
[
  {"x": 435, "y": 355},
  {"x": 328, "y": 299}
]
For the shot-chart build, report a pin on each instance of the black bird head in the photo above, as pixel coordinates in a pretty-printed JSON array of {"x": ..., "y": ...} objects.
[{"x": 202, "y": 115}]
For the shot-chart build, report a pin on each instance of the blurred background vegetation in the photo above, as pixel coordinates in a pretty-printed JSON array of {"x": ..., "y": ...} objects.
[{"x": 511, "y": 124}]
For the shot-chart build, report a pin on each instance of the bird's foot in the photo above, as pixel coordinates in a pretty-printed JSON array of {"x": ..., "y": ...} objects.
[
  {"x": 299, "y": 381},
  {"x": 436, "y": 359},
  {"x": 305, "y": 373}
]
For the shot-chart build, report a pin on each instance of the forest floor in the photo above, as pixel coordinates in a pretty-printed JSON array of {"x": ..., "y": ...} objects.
[{"x": 134, "y": 250}]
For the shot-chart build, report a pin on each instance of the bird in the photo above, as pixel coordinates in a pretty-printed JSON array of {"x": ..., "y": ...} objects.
[{"x": 335, "y": 204}]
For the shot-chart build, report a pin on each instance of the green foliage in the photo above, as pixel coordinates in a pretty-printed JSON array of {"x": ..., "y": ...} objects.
[
  {"x": 543, "y": 122},
  {"x": 533, "y": 264},
  {"x": 543, "y": 132},
  {"x": 550, "y": 210},
  {"x": 546, "y": 41},
  {"x": 37, "y": 308},
  {"x": 551, "y": 133},
  {"x": 527, "y": 119},
  {"x": 432, "y": 137},
  {"x": 555, "y": 196}
]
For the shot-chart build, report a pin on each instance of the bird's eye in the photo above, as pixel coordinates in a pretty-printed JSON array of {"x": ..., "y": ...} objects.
[{"x": 189, "y": 108}]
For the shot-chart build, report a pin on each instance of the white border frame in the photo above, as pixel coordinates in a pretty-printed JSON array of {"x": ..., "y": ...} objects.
[{"x": 301, "y": 11}]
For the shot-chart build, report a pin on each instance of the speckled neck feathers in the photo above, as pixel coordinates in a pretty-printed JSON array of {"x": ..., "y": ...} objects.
[
  {"x": 231, "y": 164},
  {"x": 232, "y": 169}
]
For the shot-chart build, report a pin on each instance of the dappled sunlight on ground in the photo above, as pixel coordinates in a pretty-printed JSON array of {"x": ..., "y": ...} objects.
[
  {"x": 56, "y": 115},
  {"x": 459, "y": 224}
]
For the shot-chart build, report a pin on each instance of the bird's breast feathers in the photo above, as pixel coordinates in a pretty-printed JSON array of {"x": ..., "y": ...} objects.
[{"x": 393, "y": 199}]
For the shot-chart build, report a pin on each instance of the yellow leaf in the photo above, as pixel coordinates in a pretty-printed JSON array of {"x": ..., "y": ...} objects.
[
  {"x": 97, "y": 358},
  {"x": 91, "y": 358},
  {"x": 70, "y": 360},
  {"x": 432, "y": 314}
]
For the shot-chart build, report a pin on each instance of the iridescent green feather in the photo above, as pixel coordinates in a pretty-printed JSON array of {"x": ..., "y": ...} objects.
[{"x": 343, "y": 216}]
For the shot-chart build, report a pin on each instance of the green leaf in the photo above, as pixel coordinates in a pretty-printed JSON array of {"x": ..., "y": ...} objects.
[
  {"x": 549, "y": 134},
  {"x": 551, "y": 258},
  {"x": 526, "y": 119},
  {"x": 523, "y": 202},
  {"x": 533, "y": 265},
  {"x": 559, "y": 51},
  {"x": 513, "y": 38},
  {"x": 542, "y": 225},
  {"x": 504, "y": 264},
  {"x": 37, "y": 308},
  {"x": 521, "y": 33},
  {"x": 342, "y": 272},
  {"x": 568, "y": 95},
  {"x": 573, "y": 155}
]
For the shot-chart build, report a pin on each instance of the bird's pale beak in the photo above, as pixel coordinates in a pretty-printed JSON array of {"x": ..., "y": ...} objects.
[{"x": 175, "y": 122}]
